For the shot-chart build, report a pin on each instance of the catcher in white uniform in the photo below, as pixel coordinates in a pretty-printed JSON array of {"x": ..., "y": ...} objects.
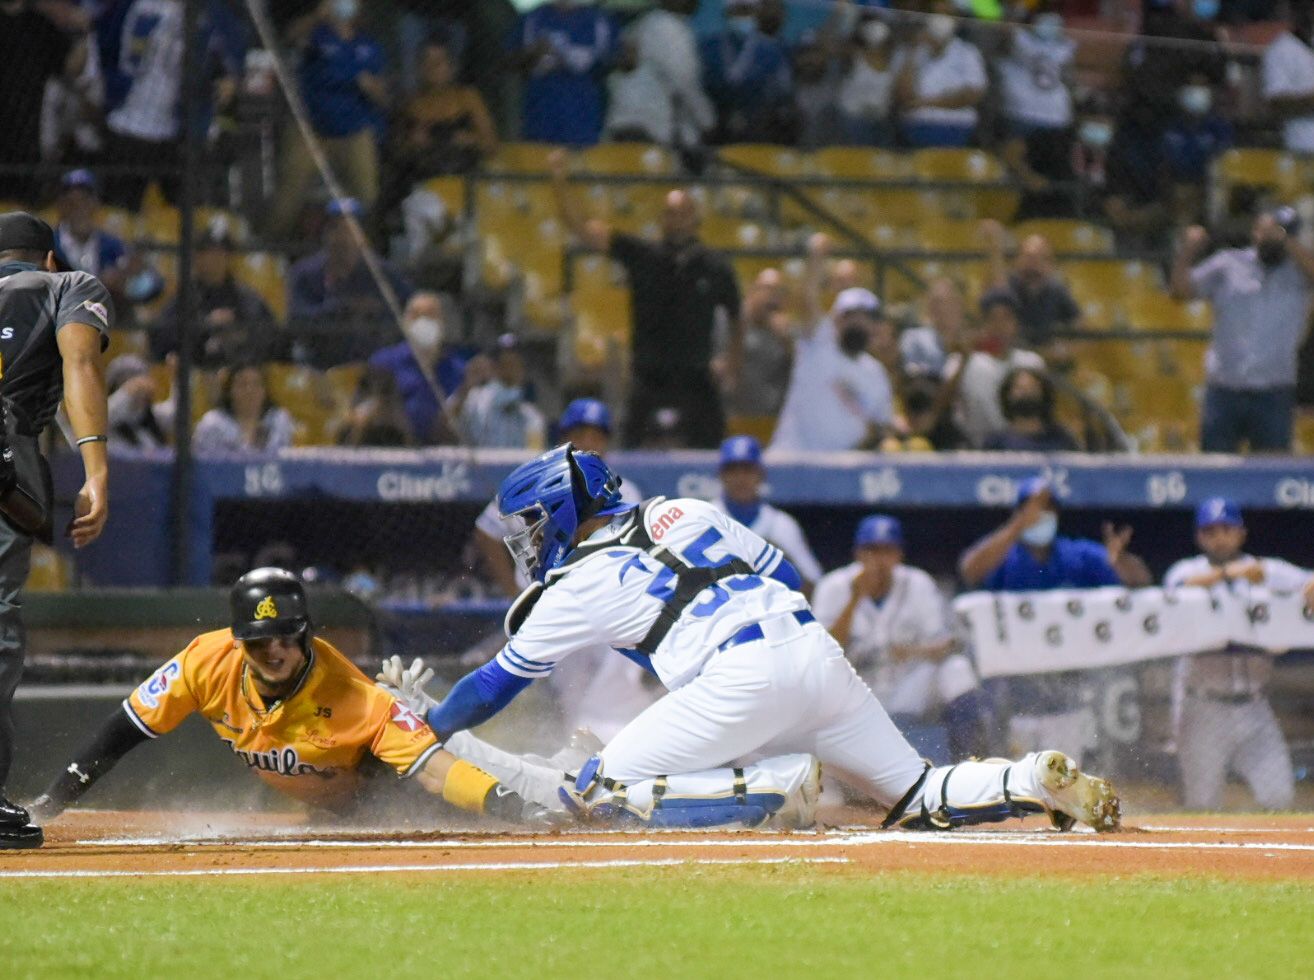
[
  {"x": 894, "y": 626},
  {"x": 715, "y": 612},
  {"x": 741, "y": 497},
  {"x": 1226, "y": 723},
  {"x": 596, "y": 690}
]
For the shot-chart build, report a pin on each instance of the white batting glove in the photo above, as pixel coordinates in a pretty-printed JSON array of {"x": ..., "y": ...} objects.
[{"x": 407, "y": 684}]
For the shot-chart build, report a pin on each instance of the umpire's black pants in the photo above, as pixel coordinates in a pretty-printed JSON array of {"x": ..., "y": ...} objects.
[{"x": 15, "y": 563}]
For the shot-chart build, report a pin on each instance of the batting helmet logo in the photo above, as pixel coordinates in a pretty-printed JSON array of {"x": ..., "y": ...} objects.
[{"x": 266, "y": 609}]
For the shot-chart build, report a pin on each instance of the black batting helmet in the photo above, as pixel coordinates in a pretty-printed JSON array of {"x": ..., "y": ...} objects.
[{"x": 268, "y": 602}]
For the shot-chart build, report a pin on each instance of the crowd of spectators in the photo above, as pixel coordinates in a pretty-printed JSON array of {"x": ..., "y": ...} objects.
[{"x": 399, "y": 97}]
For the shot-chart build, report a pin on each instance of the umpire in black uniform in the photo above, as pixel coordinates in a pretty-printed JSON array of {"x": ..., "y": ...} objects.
[{"x": 53, "y": 331}]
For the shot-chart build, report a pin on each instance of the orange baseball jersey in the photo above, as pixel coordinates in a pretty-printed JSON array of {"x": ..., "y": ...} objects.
[{"x": 311, "y": 744}]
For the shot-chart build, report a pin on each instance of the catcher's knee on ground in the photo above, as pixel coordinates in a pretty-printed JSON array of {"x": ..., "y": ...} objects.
[{"x": 781, "y": 790}]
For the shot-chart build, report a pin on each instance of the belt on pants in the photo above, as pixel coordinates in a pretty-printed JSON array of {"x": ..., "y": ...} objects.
[
  {"x": 1220, "y": 697},
  {"x": 750, "y": 633}
]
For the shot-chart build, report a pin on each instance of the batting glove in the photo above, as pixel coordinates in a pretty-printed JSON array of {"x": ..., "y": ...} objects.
[{"x": 407, "y": 684}]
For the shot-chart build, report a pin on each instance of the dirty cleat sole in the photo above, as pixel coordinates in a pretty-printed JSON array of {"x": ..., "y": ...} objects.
[
  {"x": 799, "y": 811},
  {"x": 1076, "y": 796}
]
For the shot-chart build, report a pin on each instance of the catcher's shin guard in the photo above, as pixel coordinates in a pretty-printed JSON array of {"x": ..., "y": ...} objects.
[
  {"x": 745, "y": 797},
  {"x": 970, "y": 793}
]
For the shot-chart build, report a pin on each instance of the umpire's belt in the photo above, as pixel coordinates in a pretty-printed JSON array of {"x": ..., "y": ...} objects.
[{"x": 751, "y": 633}]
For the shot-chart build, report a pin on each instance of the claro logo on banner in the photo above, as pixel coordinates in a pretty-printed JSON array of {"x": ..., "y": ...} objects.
[
  {"x": 451, "y": 482},
  {"x": 1294, "y": 493},
  {"x": 998, "y": 490}
]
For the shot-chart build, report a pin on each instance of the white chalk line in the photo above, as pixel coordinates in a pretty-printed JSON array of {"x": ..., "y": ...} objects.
[
  {"x": 952, "y": 839},
  {"x": 423, "y": 868}
]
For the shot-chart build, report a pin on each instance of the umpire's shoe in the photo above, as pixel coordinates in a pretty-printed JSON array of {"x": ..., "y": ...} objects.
[{"x": 15, "y": 830}]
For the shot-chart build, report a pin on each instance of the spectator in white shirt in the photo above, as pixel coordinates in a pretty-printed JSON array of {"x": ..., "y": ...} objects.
[
  {"x": 941, "y": 83},
  {"x": 976, "y": 380},
  {"x": 742, "y": 476},
  {"x": 894, "y": 626},
  {"x": 638, "y": 109},
  {"x": 866, "y": 98},
  {"x": 246, "y": 420},
  {"x": 665, "y": 42},
  {"x": 839, "y": 396},
  {"x": 1037, "y": 105},
  {"x": 1288, "y": 76}
]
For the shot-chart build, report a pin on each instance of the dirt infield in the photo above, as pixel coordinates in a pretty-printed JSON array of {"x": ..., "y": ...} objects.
[{"x": 109, "y": 844}]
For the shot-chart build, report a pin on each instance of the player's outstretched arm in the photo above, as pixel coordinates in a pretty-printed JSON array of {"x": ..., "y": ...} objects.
[
  {"x": 469, "y": 788},
  {"x": 476, "y": 697},
  {"x": 116, "y": 738}
]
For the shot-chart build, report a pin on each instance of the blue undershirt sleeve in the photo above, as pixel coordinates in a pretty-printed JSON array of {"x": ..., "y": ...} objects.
[
  {"x": 786, "y": 574},
  {"x": 476, "y": 697}
]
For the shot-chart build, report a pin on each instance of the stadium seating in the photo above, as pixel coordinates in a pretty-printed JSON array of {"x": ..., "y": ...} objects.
[
  {"x": 965, "y": 167},
  {"x": 307, "y": 396},
  {"x": 1068, "y": 237},
  {"x": 626, "y": 159},
  {"x": 1262, "y": 169},
  {"x": 520, "y": 158}
]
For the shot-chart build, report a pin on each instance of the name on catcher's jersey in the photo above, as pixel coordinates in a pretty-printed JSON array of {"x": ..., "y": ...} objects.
[
  {"x": 311, "y": 744},
  {"x": 614, "y": 595}
]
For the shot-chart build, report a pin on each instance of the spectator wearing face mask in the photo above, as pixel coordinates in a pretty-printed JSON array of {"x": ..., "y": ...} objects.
[
  {"x": 565, "y": 48},
  {"x": 817, "y": 77},
  {"x": 638, "y": 109},
  {"x": 866, "y": 96},
  {"x": 1027, "y": 554},
  {"x": 975, "y": 376},
  {"x": 839, "y": 396},
  {"x": 941, "y": 83},
  {"x": 927, "y": 423},
  {"x": 498, "y": 413},
  {"x": 1037, "y": 106},
  {"x": 342, "y": 85},
  {"x": 746, "y": 73},
  {"x": 1192, "y": 141},
  {"x": 665, "y": 41},
  {"x": 1026, "y": 398},
  {"x": 424, "y": 330},
  {"x": 1260, "y": 297}
]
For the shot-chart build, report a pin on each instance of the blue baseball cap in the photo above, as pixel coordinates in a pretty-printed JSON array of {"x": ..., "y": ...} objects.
[
  {"x": 1218, "y": 510},
  {"x": 878, "y": 529},
  {"x": 586, "y": 411},
  {"x": 741, "y": 449},
  {"x": 342, "y": 206},
  {"x": 1031, "y": 486},
  {"x": 80, "y": 179}
]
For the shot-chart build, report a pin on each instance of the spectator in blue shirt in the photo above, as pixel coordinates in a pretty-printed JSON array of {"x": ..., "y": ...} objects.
[
  {"x": 424, "y": 329},
  {"x": 341, "y": 81},
  {"x": 336, "y": 310},
  {"x": 1026, "y": 554},
  {"x": 747, "y": 75},
  {"x": 1193, "y": 139},
  {"x": 565, "y": 48}
]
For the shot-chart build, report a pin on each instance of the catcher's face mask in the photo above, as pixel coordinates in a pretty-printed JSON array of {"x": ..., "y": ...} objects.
[{"x": 526, "y": 545}]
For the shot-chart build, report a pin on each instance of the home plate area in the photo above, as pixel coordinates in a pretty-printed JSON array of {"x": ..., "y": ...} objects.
[{"x": 116, "y": 844}]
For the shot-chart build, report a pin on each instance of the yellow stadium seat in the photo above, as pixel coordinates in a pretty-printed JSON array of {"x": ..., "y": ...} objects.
[
  {"x": 766, "y": 158},
  {"x": 1097, "y": 314},
  {"x": 1305, "y": 434},
  {"x": 1111, "y": 280},
  {"x": 965, "y": 167},
  {"x": 626, "y": 158},
  {"x": 1159, "y": 311},
  {"x": 236, "y": 225},
  {"x": 860, "y": 163},
  {"x": 266, "y": 273},
  {"x": 205, "y": 388},
  {"x": 1251, "y": 167},
  {"x": 521, "y": 158},
  {"x": 162, "y": 224},
  {"x": 344, "y": 380},
  {"x": 728, "y": 231},
  {"x": 1077, "y": 237},
  {"x": 451, "y": 190},
  {"x": 127, "y": 342},
  {"x": 307, "y": 396},
  {"x": 957, "y": 236},
  {"x": 523, "y": 198}
]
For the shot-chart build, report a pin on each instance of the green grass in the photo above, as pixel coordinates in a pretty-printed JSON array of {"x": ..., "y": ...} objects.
[{"x": 776, "y": 923}]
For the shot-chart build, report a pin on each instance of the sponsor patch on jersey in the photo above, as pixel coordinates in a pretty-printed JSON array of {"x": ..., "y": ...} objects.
[
  {"x": 663, "y": 523},
  {"x": 101, "y": 313},
  {"x": 157, "y": 685},
  {"x": 404, "y": 718}
]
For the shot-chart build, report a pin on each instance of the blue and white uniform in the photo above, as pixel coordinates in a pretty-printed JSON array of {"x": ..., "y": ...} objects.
[{"x": 751, "y": 674}]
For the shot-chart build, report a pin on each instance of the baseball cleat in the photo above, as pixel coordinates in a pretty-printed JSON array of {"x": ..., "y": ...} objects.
[
  {"x": 12, "y": 815},
  {"x": 20, "y": 838},
  {"x": 1075, "y": 796},
  {"x": 799, "y": 811}
]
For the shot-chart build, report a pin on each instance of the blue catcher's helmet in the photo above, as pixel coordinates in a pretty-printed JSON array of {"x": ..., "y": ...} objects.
[{"x": 553, "y": 495}]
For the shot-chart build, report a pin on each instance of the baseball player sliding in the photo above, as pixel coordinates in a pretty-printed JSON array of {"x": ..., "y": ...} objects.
[
  {"x": 716, "y": 613},
  {"x": 298, "y": 713}
]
